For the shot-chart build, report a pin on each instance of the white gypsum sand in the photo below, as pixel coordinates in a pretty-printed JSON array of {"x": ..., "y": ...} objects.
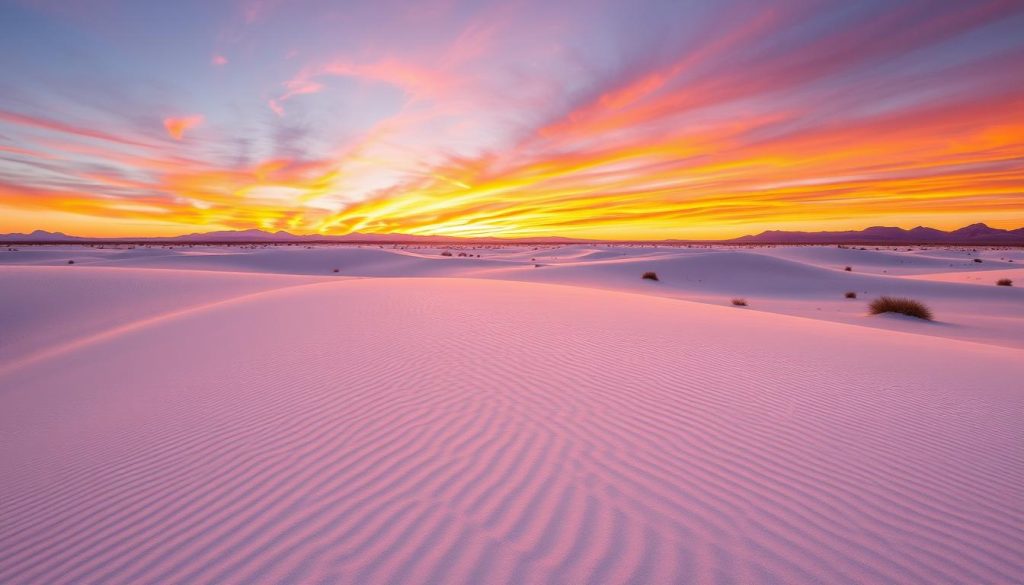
[{"x": 221, "y": 422}]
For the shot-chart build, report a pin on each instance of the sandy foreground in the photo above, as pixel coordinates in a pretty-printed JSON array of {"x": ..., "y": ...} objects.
[{"x": 229, "y": 415}]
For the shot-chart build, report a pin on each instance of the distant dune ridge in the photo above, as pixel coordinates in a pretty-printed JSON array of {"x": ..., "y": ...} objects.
[
  {"x": 795, "y": 280},
  {"x": 975, "y": 234}
]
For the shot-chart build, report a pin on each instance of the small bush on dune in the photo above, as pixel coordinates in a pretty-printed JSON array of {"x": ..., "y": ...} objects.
[
  {"x": 1004, "y": 282},
  {"x": 848, "y": 269},
  {"x": 650, "y": 276},
  {"x": 851, "y": 295},
  {"x": 901, "y": 305},
  {"x": 336, "y": 270},
  {"x": 446, "y": 253},
  {"x": 71, "y": 261},
  {"x": 978, "y": 260},
  {"x": 739, "y": 302}
]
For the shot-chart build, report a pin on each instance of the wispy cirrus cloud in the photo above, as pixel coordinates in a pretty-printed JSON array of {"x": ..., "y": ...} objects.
[{"x": 57, "y": 126}]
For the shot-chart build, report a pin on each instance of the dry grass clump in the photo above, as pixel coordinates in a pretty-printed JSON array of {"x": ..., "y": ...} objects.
[
  {"x": 901, "y": 305},
  {"x": 851, "y": 295},
  {"x": 739, "y": 302},
  {"x": 1004, "y": 282},
  {"x": 650, "y": 276}
]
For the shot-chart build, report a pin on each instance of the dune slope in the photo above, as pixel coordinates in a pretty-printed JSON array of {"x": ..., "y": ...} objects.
[
  {"x": 44, "y": 308},
  {"x": 469, "y": 431}
]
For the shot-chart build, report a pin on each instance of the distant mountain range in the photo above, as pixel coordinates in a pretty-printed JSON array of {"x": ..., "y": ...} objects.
[{"x": 977, "y": 234}]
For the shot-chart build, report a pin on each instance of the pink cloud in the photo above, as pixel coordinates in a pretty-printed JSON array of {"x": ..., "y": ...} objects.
[
  {"x": 297, "y": 86},
  {"x": 219, "y": 60},
  {"x": 176, "y": 127},
  {"x": 417, "y": 82}
]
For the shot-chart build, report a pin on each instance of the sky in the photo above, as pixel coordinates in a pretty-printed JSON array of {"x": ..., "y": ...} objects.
[{"x": 641, "y": 119}]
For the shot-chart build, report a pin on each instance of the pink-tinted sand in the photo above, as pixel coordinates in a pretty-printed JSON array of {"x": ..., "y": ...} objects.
[{"x": 255, "y": 428}]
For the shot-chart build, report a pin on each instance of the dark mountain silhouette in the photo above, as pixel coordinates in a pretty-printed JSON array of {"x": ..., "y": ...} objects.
[
  {"x": 973, "y": 235},
  {"x": 40, "y": 236}
]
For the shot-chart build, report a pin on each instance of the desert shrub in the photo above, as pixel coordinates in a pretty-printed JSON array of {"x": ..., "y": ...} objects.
[
  {"x": 739, "y": 302},
  {"x": 1004, "y": 282},
  {"x": 446, "y": 253},
  {"x": 901, "y": 305},
  {"x": 851, "y": 295},
  {"x": 71, "y": 261},
  {"x": 650, "y": 276},
  {"x": 848, "y": 269},
  {"x": 978, "y": 260},
  {"x": 336, "y": 270}
]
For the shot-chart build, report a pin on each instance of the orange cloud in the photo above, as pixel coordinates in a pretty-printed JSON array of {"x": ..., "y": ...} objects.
[{"x": 176, "y": 127}]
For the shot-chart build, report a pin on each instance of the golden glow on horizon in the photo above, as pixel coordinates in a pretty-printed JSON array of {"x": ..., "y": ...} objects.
[{"x": 701, "y": 183}]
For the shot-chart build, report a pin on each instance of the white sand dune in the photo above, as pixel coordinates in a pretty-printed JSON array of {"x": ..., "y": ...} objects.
[
  {"x": 188, "y": 426},
  {"x": 353, "y": 261},
  {"x": 48, "y": 307},
  {"x": 729, "y": 273},
  {"x": 890, "y": 261},
  {"x": 986, "y": 278},
  {"x": 804, "y": 281}
]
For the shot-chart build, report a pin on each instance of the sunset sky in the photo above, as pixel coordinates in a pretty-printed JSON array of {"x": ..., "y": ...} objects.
[{"x": 601, "y": 119}]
